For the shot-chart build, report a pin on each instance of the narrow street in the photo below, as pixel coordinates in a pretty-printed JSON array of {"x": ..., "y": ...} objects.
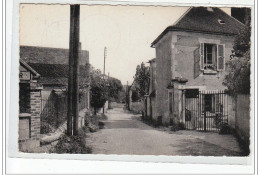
[{"x": 124, "y": 133}]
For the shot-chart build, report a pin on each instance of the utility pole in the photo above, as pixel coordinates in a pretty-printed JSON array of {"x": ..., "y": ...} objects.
[
  {"x": 104, "y": 72},
  {"x": 127, "y": 96},
  {"x": 73, "y": 83},
  {"x": 108, "y": 97},
  {"x": 105, "y": 55}
]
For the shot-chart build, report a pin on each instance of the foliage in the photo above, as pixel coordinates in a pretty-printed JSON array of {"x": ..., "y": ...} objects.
[
  {"x": 94, "y": 122},
  {"x": 72, "y": 144},
  {"x": 176, "y": 126},
  {"x": 99, "y": 86},
  {"x": 238, "y": 78},
  {"x": 225, "y": 129},
  {"x": 115, "y": 87},
  {"x": 137, "y": 107},
  {"x": 135, "y": 95},
  {"x": 242, "y": 43},
  {"x": 103, "y": 88},
  {"x": 142, "y": 79}
]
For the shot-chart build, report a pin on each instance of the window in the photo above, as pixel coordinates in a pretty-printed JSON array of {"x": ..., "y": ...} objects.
[
  {"x": 210, "y": 52},
  {"x": 211, "y": 57},
  {"x": 212, "y": 103}
]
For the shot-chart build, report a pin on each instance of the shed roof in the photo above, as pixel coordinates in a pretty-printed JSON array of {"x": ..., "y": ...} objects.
[
  {"x": 205, "y": 20},
  {"x": 35, "y": 54},
  {"x": 57, "y": 74},
  {"x": 23, "y": 63}
]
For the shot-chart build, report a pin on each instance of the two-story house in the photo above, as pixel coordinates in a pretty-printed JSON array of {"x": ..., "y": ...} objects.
[{"x": 191, "y": 60}]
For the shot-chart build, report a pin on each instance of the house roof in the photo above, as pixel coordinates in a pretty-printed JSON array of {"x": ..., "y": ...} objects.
[
  {"x": 23, "y": 63},
  {"x": 33, "y": 54},
  {"x": 205, "y": 20},
  {"x": 57, "y": 74}
]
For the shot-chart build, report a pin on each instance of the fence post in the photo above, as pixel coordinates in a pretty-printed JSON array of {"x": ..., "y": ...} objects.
[{"x": 205, "y": 129}]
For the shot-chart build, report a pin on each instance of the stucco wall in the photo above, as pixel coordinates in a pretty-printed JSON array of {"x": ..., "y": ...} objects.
[
  {"x": 243, "y": 116},
  {"x": 163, "y": 75},
  {"x": 175, "y": 58},
  {"x": 184, "y": 50}
]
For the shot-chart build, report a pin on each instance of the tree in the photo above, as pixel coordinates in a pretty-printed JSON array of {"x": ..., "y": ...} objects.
[
  {"x": 99, "y": 89},
  {"x": 115, "y": 87},
  {"x": 135, "y": 95},
  {"x": 142, "y": 78},
  {"x": 238, "y": 78}
]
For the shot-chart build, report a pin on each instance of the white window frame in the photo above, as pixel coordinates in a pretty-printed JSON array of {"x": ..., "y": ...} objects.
[{"x": 202, "y": 55}]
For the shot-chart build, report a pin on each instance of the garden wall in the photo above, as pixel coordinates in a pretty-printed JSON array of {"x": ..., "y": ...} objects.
[{"x": 243, "y": 117}]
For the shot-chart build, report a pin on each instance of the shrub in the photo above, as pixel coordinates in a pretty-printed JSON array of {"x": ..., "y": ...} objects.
[
  {"x": 103, "y": 117},
  {"x": 181, "y": 126},
  {"x": 225, "y": 129},
  {"x": 176, "y": 126},
  {"x": 72, "y": 144}
]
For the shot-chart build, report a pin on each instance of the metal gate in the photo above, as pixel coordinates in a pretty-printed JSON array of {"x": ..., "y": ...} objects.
[{"x": 205, "y": 110}]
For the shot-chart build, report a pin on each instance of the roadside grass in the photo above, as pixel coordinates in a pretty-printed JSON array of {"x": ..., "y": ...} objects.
[
  {"x": 137, "y": 107},
  {"x": 94, "y": 122},
  {"x": 72, "y": 144},
  {"x": 77, "y": 144}
]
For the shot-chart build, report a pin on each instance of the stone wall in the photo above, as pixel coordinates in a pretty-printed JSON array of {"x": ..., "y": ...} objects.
[{"x": 31, "y": 123}]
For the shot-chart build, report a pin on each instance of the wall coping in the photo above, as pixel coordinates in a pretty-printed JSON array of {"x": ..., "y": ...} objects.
[{"x": 21, "y": 115}]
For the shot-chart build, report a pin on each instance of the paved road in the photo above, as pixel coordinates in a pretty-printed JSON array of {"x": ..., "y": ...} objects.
[{"x": 125, "y": 134}]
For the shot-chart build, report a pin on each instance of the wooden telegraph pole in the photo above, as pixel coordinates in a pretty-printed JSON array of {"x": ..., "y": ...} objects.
[
  {"x": 73, "y": 82},
  {"x": 104, "y": 72}
]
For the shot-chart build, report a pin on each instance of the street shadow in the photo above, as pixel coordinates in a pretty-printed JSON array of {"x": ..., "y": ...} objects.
[{"x": 198, "y": 147}]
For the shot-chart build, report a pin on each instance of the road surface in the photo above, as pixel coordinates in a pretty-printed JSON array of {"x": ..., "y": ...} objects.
[{"x": 125, "y": 134}]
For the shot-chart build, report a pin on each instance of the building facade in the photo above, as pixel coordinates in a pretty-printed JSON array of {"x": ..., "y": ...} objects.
[
  {"x": 49, "y": 70},
  {"x": 191, "y": 58},
  {"x": 29, "y": 107}
]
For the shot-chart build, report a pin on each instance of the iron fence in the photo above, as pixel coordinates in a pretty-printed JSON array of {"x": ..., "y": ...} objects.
[
  {"x": 54, "y": 110},
  {"x": 205, "y": 110}
]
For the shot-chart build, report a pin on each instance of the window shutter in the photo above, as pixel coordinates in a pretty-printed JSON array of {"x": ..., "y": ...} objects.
[
  {"x": 196, "y": 62},
  {"x": 221, "y": 58},
  {"x": 201, "y": 56}
]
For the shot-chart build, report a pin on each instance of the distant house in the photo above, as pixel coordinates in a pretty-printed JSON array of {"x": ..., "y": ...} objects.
[
  {"x": 190, "y": 62},
  {"x": 52, "y": 63},
  {"x": 52, "y": 66},
  {"x": 48, "y": 55}
]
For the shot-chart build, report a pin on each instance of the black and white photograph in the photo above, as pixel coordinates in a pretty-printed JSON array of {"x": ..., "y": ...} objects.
[{"x": 135, "y": 80}]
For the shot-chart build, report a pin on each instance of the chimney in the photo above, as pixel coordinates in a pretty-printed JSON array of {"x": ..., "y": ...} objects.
[{"x": 84, "y": 56}]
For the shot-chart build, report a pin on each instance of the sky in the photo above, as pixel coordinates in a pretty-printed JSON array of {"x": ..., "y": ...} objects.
[{"x": 126, "y": 31}]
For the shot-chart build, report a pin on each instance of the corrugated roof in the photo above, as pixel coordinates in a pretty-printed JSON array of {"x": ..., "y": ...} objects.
[{"x": 205, "y": 20}]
